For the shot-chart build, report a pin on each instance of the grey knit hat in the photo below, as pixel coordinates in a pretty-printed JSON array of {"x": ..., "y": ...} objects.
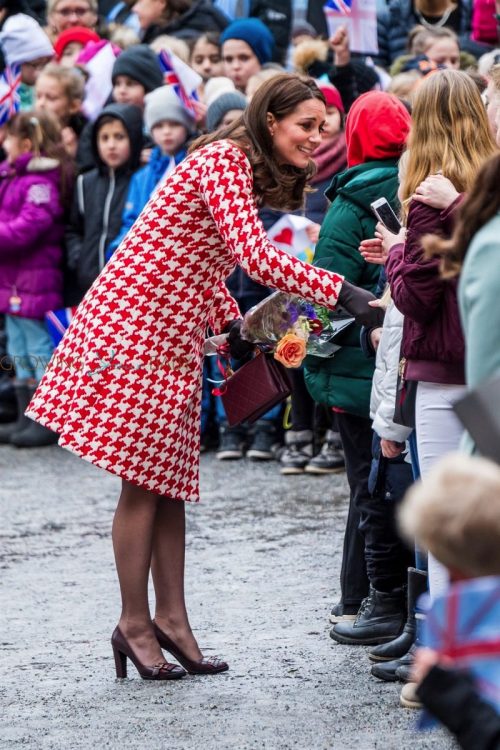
[
  {"x": 164, "y": 104},
  {"x": 220, "y": 106},
  {"x": 140, "y": 63}
]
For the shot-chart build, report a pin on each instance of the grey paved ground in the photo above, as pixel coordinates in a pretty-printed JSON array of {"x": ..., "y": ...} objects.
[{"x": 263, "y": 560}]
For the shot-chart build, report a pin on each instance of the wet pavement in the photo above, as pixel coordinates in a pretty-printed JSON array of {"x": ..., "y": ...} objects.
[{"x": 262, "y": 572}]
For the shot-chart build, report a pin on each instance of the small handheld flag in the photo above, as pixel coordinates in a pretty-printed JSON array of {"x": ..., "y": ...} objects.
[{"x": 10, "y": 101}]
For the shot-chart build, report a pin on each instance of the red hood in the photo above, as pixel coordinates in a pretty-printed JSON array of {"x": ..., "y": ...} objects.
[{"x": 376, "y": 128}]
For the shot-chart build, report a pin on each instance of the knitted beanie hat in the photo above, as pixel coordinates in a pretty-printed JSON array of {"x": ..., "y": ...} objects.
[
  {"x": 79, "y": 34},
  {"x": 220, "y": 106},
  {"x": 302, "y": 28},
  {"x": 255, "y": 34},
  {"x": 164, "y": 104},
  {"x": 332, "y": 96},
  {"x": 23, "y": 40},
  {"x": 216, "y": 86},
  {"x": 140, "y": 63}
]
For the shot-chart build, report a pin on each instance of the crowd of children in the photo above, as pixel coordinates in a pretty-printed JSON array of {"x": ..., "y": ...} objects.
[{"x": 93, "y": 122}]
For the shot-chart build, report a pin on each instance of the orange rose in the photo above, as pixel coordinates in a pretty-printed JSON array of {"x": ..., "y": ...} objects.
[{"x": 291, "y": 350}]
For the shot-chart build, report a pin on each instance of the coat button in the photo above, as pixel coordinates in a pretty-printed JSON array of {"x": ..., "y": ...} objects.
[{"x": 207, "y": 294}]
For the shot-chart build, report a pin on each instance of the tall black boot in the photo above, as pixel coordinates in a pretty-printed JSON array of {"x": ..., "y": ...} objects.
[
  {"x": 8, "y": 404},
  {"x": 8, "y": 407},
  {"x": 380, "y": 619},
  {"x": 417, "y": 585},
  {"x": 32, "y": 434},
  {"x": 23, "y": 397}
]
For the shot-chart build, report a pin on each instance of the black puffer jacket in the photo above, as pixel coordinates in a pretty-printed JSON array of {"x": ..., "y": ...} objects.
[
  {"x": 277, "y": 16},
  {"x": 201, "y": 17},
  {"x": 98, "y": 203},
  {"x": 397, "y": 19}
]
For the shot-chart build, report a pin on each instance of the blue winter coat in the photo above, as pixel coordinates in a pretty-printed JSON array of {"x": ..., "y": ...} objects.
[{"x": 140, "y": 189}]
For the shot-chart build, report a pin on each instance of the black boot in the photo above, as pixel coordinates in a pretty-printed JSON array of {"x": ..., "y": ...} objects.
[
  {"x": 386, "y": 670},
  {"x": 32, "y": 434},
  {"x": 380, "y": 619},
  {"x": 404, "y": 670},
  {"x": 417, "y": 585},
  {"x": 23, "y": 396},
  {"x": 8, "y": 405}
]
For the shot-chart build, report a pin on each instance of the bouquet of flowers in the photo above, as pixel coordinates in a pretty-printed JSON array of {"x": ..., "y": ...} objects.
[{"x": 293, "y": 328}]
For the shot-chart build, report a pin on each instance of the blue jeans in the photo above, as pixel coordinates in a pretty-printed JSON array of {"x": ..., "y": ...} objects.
[
  {"x": 420, "y": 556},
  {"x": 28, "y": 345}
]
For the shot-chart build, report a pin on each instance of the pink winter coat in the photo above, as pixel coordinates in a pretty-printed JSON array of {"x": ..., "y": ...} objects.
[{"x": 31, "y": 232}]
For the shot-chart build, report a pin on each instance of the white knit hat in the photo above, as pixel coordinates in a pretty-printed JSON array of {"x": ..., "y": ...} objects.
[
  {"x": 164, "y": 104},
  {"x": 23, "y": 40},
  {"x": 216, "y": 86}
]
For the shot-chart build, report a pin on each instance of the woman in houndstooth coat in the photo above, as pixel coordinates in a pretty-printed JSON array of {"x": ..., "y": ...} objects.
[{"x": 123, "y": 389}]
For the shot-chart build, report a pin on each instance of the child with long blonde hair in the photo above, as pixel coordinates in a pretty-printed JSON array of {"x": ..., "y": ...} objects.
[
  {"x": 450, "y": 138},
  {"x": 450, "y": 133}
]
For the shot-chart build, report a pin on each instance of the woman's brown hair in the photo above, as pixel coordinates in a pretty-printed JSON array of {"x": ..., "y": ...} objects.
[
  {"x": 44, "y": 132},
  {"x": 481, "y": 205},
  {"x": 280, "y": 186}
]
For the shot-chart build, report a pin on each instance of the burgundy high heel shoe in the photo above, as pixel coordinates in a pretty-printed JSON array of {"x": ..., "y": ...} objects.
[
  {"x": 207, "y": 665},
  {"x": 122, "y": 651}
]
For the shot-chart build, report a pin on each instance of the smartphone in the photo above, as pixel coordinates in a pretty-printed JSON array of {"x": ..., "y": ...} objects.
[{"x": 384, "y": 213}]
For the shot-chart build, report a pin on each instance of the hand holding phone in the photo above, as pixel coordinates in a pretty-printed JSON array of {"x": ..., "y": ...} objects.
[{"x": 384, "y": 213}]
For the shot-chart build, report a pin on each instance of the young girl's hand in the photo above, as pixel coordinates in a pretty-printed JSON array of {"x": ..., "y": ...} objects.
[
  {"x": 436, "y": 191},
  {"x": 373, "y": 251},
  {"x": 377, "y": 250},
  {"x": 339, "y": 42},
  {"x": 69, "y": 141},
  {"x": 391, "y": 449},
  {"x": 312, "y": 232},
  {"x": 375, "y": 334},
  {"x": 200, "y": 110}
]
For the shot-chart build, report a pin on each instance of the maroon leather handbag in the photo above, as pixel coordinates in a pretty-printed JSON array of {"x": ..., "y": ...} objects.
[{"x": 255, "y": 388}]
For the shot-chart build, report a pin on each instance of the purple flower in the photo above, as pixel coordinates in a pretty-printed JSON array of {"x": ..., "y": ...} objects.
[{"x": 293, "y": 312}]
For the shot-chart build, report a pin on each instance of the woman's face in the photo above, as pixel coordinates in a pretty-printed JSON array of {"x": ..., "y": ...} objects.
[
  {"x": 206, "y": 59},
  {"x": 240, "y": 62},
  {"x": 69, "y": 13},
  {"x": 297, "y": 135},
  {"x": 149, "y": 12},
  {"x": 444, "y": 52}
]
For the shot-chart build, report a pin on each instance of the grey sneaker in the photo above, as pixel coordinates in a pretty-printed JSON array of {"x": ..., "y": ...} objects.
[
  {"x": 330, "y": 459},
  {"x": 298, "y": 451},
  {"x": 231, "y": 443},
  {"x": 264, "y": 443}
]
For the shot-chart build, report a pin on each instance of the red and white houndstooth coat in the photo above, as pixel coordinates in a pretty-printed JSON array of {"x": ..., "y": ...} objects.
[{"x": 123, "y": 389}]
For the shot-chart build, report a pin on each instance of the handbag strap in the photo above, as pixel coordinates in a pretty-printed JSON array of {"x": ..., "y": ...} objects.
[{"x": 224, "y": 366}]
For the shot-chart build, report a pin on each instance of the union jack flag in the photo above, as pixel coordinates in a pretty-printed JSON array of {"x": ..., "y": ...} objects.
[
  {"x": 339, "y": 6},
  {"x": 10, "y": 101},
  {"x": 464, "y": 624},
  {"x": 183, "y": 80}
]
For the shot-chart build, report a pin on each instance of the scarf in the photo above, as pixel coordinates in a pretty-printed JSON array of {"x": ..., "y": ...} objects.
[{"x": 330, "y": 158}]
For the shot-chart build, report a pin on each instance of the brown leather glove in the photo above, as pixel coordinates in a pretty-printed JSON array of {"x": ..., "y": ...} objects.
[{"x": 355, "y": 301}]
